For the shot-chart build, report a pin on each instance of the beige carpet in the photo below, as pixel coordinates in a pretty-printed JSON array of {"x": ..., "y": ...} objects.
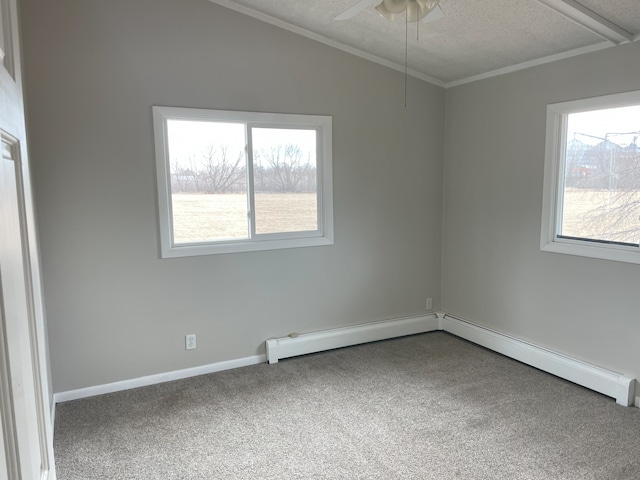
[{"x": 429, "y": 406}]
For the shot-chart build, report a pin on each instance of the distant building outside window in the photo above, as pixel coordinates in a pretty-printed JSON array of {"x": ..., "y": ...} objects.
[{"x": 592, "y": 178}]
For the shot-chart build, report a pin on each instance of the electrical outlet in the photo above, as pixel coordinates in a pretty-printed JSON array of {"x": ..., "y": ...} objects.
[
  {"x": 429, "y": 304},
  {"x": 190, "y": 341}
]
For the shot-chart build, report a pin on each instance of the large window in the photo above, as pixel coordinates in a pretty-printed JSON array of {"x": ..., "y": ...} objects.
[
  {"x": 592, "y": 178},
  {"x": 242, "y": 181}
]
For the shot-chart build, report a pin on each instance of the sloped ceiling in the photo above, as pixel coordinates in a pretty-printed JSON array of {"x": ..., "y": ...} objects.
[{"x": 474, "y": 38}]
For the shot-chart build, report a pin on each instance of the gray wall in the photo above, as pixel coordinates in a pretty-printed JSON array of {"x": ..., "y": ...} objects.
[
  {"x": 493, "y": 270},
  {"x": 115, "y": 309}
]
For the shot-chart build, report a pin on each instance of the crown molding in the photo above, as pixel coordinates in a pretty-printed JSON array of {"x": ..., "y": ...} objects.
[{"x": 530, "y": 63}]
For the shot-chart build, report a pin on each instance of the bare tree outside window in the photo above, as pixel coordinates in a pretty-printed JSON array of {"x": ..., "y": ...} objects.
[
  {"x": 179, "y": 177},
  {"x": 284, "y": 169},
  {"x": 194, "y": 169},
  {"x": 284, "y": 175},
  {"x": 602, "y": 177},
  {"x": 225, "y": 172}
]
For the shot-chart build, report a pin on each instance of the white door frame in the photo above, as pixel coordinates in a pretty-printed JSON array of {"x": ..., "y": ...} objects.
[{"x": 26, "y": 428}]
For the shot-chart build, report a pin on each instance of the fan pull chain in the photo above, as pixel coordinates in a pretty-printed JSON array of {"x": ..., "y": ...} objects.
[{"x": 406, "y": 55}]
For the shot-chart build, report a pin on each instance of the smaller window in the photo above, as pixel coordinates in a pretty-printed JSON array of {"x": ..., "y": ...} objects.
[
  {"x": 242, "y": 181},
  {"x": 591, "y": 204}
]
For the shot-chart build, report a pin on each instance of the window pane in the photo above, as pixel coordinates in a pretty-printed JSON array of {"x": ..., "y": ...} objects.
[
  {"x": 208, "y": 181},
  {"x": 285, "y": 180},
  {"x": 602, "y": 176},
  {"x": 205, "y": 180}
]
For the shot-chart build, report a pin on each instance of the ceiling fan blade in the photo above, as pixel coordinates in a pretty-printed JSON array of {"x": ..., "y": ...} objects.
[
  {"x": 434, "y": 14},
  {"x": 355, "y": 9}
]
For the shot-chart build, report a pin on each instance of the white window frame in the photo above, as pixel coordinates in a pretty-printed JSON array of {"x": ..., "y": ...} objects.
[
  {"x": 322, "y": 236},
  {"x": 553, "y": 191}
]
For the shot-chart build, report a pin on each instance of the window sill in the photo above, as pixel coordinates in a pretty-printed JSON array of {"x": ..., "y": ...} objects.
[
  {"x": 587, "y": 249},
  {"x": 195, "y": 249}
]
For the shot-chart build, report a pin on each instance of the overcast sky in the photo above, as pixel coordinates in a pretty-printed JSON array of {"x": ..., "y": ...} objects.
[
  {"x": 189, "y": 138},
  {"x": 599, "y": 123}
]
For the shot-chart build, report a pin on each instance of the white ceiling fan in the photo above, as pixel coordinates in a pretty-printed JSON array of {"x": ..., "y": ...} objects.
[{"x": 416, "y": 10}]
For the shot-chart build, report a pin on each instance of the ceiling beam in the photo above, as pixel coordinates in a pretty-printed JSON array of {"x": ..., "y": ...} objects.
[{"x": 590, "y": 20}]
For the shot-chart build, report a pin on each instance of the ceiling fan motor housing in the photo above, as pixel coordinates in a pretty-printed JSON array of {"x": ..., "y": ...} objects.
[{"x": 416, "y": 9}]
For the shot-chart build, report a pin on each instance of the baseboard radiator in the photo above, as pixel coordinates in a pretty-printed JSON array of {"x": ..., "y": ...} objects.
[
  {"x": 609, "y": 383},
  {"x": 295, "y": 344},
  {"x": 595, "y": 378}
]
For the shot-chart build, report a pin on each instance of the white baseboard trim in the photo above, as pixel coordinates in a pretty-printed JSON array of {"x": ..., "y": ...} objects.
[
  {"x": 158, "y": 378},
  {"x": 595, "y": 378},
  {"x": 292, "y": 346},
  {"x": 609, "y": 383}
]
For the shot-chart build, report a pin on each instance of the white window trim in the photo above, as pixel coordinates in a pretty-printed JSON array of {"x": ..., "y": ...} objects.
[
  {"x": 322, "y": 236},
  {"x": 552, "y": 200}
]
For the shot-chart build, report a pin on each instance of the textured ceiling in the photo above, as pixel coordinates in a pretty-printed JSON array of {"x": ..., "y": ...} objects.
[
  {"x": 474, "y": 37},
  {"x": 624, "y": 13}
]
